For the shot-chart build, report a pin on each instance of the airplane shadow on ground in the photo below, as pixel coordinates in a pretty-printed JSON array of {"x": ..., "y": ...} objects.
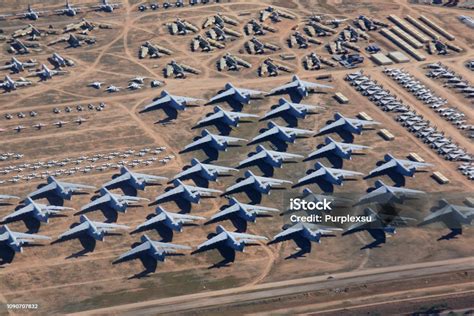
[
  {"x": 254, "y": 196},
  {"x": 290, "y": 120},
  {"x": 266, "y": 169},
  {"x": 223, "y": 129},
  {"x": 196, "y": 178},
  {"x": 234, "y": 104},
  {"x": 6, "y": 255},
  {"x": 171, "y": 115},
  {"x": 325, "y": 186},
  {"x": 453, "y": 234},
  {"x": 277, "y": 144},
  {"x": 397, "y": 178}
]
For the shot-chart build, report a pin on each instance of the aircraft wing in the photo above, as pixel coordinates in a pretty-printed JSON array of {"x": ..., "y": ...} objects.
[
  {"x": 201, "y": 141},
  {"x": 149, "y": 177},
  {"x": 347, "y": 173},
  {"x": 99, "y": 201},
  {"x": 155, "y": 219},
  {"x": 257, "y": 156},
  {"x": 436, "y": 216},
  {"x": 277, "y": 110},
  {"x": 386, "y": 166},
  {"x": 284, "y": 87},
  {"x": 171, "y": 192},
  {"x": 19, "y": 213},
  {"x": 347, "y": 146},
  {"x": 268, "y": 133},
  {"x": 74, "y": 232},
  {"x": 224, "y": 214},
  {"x": 405, "y": 191},
  {"x": 190, "y": 170},
  {"x": 122, "y": 178},
  {"x": 220, "y": 169},
  {"x": 246, "y": 238},
  {"x": 212, "y": 243},
  {"x": 75, "y": 186},
  {"x": 250, "y": 91},
  {"x": 109, "y": 226},
  {"x": 5, "y": 197},
  {"x": 284, "y": 155},
  {"x": 316, "y": 174},
  {"x": 272, "y": 181},
  {"x": 314, "y": 85},
  {"x": 211, "y": 118},
  {"x": 134, "y": 253},
  {"x": 373, "y": 195},
  {"x": 322, "y": 150},
  {"x": 333, "y": 126},
  {"x": 186, "y": 99},
  {"x": 47, "y": 188},
  {"x": 287, "y": 233},
  {"x": 356, "y": 228},
  {"x": 229, "y": 139},
  {"x": 363, "y": 122},
  {"x": 223, "y": 95},
  {"x": 156, "y": 104},
  {"x": 203, "y": 191},
  {"x": 23, "y": 237},
  {"x": 241, "y": 184}
]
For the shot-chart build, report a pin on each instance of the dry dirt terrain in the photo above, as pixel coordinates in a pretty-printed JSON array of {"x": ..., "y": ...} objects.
[{"x": 61, "y": 280}]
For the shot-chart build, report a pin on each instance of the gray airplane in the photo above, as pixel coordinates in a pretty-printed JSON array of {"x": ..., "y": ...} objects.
[
  {"x": 58, "y": 61},
  {"x": 385, "y": 194},
  {"x": 15, "y": 240},
  {"x": 301, "y": 87},
  {"x": 116, "y": 202},
  {"x": 188, "y": 192},
  {"x": 181, "y": 27},
  {"x": 16, "y": 66},
  {"x": 342, "y": 150},
  {"x": 296, "y": 110},
  {"x": 217, "y": 142},
  {"x": 224, "y": 117},
  {"x": 255, "y": 28},
  {"x": 400, "y": 166},
  {"x": 378, "y": 226},
  {"x": 255, "y": 46},
  {"x": 342, "y": 123},
  {"x": 271, "y": 68},
  {"x": 227, "y": 243},
  {"x": 106, "y": 6},
  {"x": 155, "y": 250},
  {"x": 303, "y": 234},
  {"x": 166, "y": 99},
  {"x": 231, "y": 62},
  {"x": 31, "y": 210},
  {"x": 206, "y": 171},
  {"x": 271, "y": 157},
  {"x": 89, "y": 229},
  {"x": 239, "y": 214},
  {"x": 238, "y": 94},
  {"x": 285, "y": 134},
  {"x": 45, "y": 73},
  {"x": 58, "y": 188},
  {"x": 261, "y": 184},
  {"x": 136, "y": 180},
  {"x": 8, "y": 84},
  {"x": 5, "y": 197},
  {"x": 453, "y": 216},
  {"x": 179, "y": 70},
  {"x": 331, "y": 175},
  {"x": 166, "y": 222}
]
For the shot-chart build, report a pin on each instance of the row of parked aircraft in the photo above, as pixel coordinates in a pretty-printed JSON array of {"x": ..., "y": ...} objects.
[
  {"x": 410, "y": 119},
  {"x": 226, "y": 242},
  {"x": 68, "y": 10}
]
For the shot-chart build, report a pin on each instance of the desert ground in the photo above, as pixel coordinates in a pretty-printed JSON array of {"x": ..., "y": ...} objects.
[{"x": 61, "y": 279}]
